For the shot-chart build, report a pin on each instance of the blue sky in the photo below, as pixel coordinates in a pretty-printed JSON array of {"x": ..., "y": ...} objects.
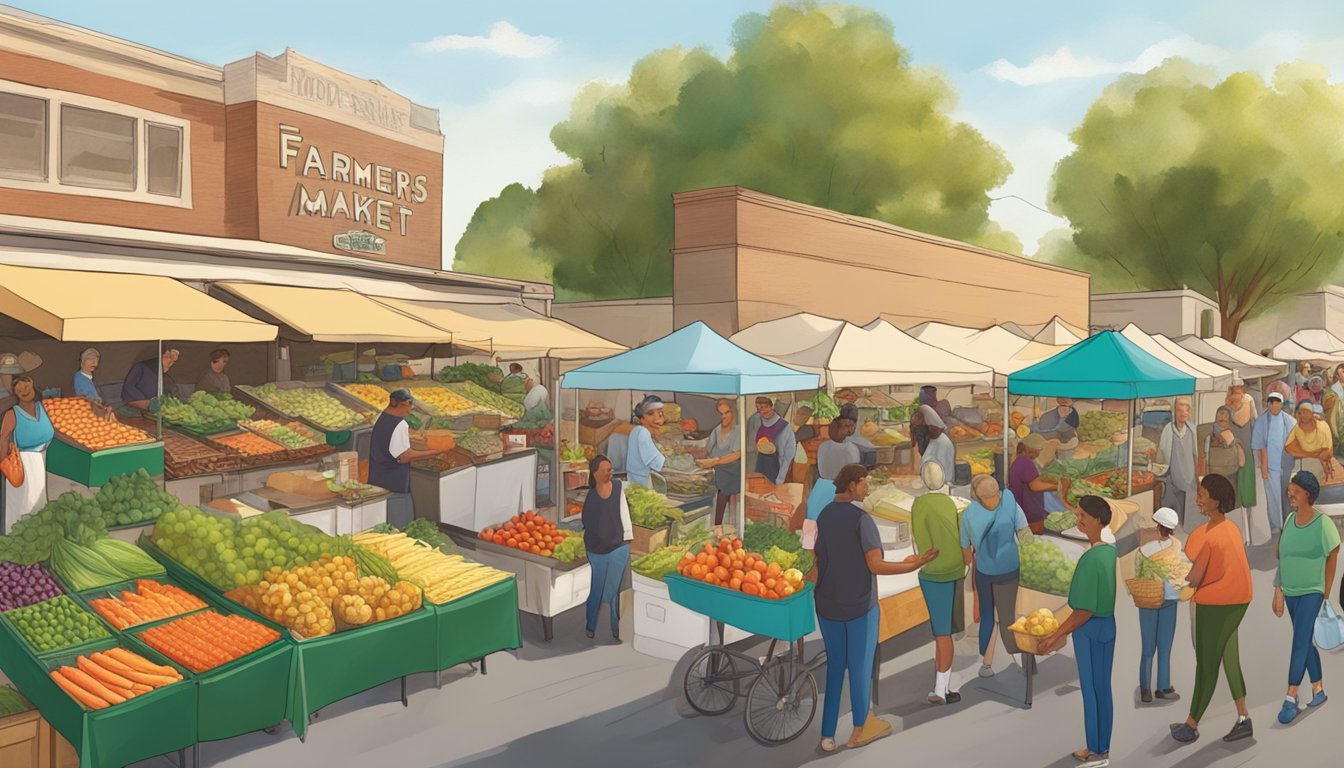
[{"x": 502, "y": 73}]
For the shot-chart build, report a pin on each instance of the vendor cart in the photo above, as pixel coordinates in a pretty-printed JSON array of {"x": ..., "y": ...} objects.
[{"x": 781, "y": 694}]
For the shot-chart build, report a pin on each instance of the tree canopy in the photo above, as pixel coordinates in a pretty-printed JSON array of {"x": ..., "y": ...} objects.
[
  {"x": 1230, "y": 187},
  {"x": 817, "y": 104}
]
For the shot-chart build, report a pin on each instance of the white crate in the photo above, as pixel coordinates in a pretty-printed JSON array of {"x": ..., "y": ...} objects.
[
  {"x": 666, "y": 630},
  {"x": 345, "y": 521},
  {"x": 368, "y": 514},
  {"x": 323, "y": 520}
]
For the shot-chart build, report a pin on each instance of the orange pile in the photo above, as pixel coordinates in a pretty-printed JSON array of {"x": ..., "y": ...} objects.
[
  {"x": 100, "y": 680},
  {"x": 730, "y": 566},
  {"x": 207, "y": 640},
  {"x": 529, "y": 532},
  {"x": 74, "y": 418},
  {"x": 249, "y": 444},
  {"x": 150, "y": 601}
]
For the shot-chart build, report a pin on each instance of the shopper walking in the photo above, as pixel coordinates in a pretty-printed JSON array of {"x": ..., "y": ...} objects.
[
  {"x": 1269, "y": 440},
  {"x": 849, "y": 560},
  {"x": 1092, "y": 624},
  {"x": 606, "y": 539},
  {"x": 1222, "y": 579},
  {"x": 1177, "y": 445},
  {"x": 989, "y": 531},
  {"x": 724, "y": 447},
  {"x": 1243, "y": 410},
  {"x": 1157, "y": 626},
  {"x": 1224, "y": 453},
  {"x": 933, "y": 522},
  {"x": 1308, "y": 553}
]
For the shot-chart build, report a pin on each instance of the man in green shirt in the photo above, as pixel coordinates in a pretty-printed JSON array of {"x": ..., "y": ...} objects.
[{"x": 936, "y": 527}]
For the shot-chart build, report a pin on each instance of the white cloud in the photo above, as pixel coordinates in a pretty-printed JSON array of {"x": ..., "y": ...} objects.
[
  {"x": 1060, "y": 65},
  {"x": 504, "y": 40}
]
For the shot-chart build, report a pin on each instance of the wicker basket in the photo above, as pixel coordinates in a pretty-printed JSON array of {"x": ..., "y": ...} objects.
[
  {"x": 1027, "y": 643},
  {"x": 1147, "y": 593}
]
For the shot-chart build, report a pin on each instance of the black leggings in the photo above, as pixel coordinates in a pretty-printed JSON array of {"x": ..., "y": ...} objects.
[{"x": 720, "y": 504}]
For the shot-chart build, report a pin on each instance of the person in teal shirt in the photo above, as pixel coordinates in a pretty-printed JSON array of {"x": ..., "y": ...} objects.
[
  {"x": 1308, "y": 550},
  {"x": 933, "y": 521},
  {"x": 1092, "y": 624},
  {"x": 989, "y": 531}
]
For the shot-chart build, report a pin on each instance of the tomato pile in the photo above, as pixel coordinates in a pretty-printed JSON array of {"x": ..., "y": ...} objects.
[
  {"x": 528, "y": 532},
  {"x": 730, "y": 566}
]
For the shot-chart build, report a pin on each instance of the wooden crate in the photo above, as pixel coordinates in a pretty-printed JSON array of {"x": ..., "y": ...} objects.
[
  {"x": 900, "y": 613},
  {"x": 648, "y": 539}
]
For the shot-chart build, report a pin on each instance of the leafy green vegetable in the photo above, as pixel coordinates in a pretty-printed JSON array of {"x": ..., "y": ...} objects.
[
  {"x": 823, "y": 407},
  {"x": 1045, "y": 567},
  {"x": 760, "y": 537},
  {"x": 1060, "y": 521},
  {"x": 694, "y": 536},
  {"x": 487, "y": 376},
  {"x": 658, "y": 563},
  {"x": 429, "y": 533},
  {"x": 780, "y": 557},
  {"x": 569, "y": 550},
  {"x": 647, "y": 508},
  {"x": 1145, "y": 568}
]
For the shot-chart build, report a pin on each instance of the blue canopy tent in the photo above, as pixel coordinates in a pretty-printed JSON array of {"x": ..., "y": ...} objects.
[
  {"x": 1106, "y": 366},
  {"x": 694, "y": 360}
]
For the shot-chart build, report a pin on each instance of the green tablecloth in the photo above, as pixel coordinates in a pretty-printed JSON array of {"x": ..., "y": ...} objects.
[
  {"x": 477, "y": 625},
  {"x": 155, "y": 723}
]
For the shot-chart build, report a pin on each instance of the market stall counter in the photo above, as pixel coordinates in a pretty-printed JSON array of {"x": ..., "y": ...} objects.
[{"x": 546, "y": 587}]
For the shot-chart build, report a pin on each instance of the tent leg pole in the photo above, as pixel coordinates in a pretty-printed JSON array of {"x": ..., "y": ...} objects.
[
  {"x": 1130, "y": 481},
  {"x": 158, "y": 417},
  {"x": 1007, "y": 411},
  {"x": 576, "y": 419},
  {"x": 742, "y": 465}
]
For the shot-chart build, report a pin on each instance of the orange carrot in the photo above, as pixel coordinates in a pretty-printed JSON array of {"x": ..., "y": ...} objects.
[
  {"x": 139, "y": 663},
  {"x": 83, "y": 680},
  {"x": 78, "y": 694},
  {"x": 105, "y": 676}
]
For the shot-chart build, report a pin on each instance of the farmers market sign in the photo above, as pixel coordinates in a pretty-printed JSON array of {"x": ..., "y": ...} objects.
[
  {"x": 360, "y": 242},
  {"x": 336, "y": 184}
]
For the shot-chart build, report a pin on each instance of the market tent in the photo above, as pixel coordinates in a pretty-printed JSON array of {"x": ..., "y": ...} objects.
[
  {"x": 70, "y": 305},
  {"x": 1310, "y": 344},
  {"x": 509, "y": 331},
  {"x": 1209, "y": 376},
  {"x": 846, "y": 355},
  {"x": 1059, "y": 333},
  {"x": 337, "y": 316},
  {"x": 1246, "y": 363},
  {"x": 995, "y": 347},
  {"x": 693, "y": 359},
  {"x": 1106, "y": 366}
]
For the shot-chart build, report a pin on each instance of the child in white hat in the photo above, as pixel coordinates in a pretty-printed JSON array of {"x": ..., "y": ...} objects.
[{"x": 1157, "y": 626}]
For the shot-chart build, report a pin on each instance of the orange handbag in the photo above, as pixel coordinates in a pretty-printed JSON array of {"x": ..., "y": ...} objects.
[{"x": 12, "y": 466}]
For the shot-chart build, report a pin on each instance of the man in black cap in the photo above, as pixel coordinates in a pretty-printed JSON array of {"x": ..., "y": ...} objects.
[{"x": 390, "y": 457}]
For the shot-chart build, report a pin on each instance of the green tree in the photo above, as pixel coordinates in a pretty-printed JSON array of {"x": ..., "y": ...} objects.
[
  {"x": 817, "y": 104},
  {"x": 1231, "y": 188}
]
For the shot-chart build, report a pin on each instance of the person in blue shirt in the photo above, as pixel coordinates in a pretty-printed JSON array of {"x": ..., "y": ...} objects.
[
  {"x": 84, "y": 386},
  {"x": 1269, "y": 438},
  {"x": 989, "y": 531},
  {"x": 142, "y": 382},
  {"x": 642, "y": 456}
]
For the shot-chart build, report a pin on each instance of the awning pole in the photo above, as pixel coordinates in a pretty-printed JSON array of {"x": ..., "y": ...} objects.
[
  {"x": 1007, "y": 422},
  {"x": 1130, "y": 481},
  {"x": 742, "y": 465},
  {"x": 158, "y": 416}
]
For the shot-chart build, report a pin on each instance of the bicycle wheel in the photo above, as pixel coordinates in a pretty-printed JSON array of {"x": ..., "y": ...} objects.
[
  {"x": 781, "y": 703},
  {"x": 711, "y": 683}
]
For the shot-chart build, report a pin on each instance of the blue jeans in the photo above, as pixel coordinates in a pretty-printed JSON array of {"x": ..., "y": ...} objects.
[
  {"x": 607, "y": 572},
  {"x": 1303, "y": 610},
  {"x": 1157, "y": 627},
  {"x": 850, "y": 645},
  {"x": 1094, "y": 647},
  {"x": 1276, "y": 497},
  {"x": 998, "y": 594}
]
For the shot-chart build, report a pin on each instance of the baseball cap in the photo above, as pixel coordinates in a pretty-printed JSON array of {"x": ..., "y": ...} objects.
[
  {"x": 400, "y": 396},
  {"x": 1167, "y": 518},
  {"x": 1275, "y": 396}
]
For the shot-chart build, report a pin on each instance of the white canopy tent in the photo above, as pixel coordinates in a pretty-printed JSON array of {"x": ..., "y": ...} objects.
[
  {"x": 1209, "y": 376},
  {"x": 1246, "y": 363},
  {"x": 846, "y": 355},
  {"x": 1056, "y": 332},
  {"x": 994, "y": 346},
  {"x": 1314, "y": 344}
]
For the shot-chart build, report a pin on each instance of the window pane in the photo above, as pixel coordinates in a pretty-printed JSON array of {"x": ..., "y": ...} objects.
[
  {"x": 97, "y": 149},
  {"x": 23, "y": 137},
  {"x": 165, "y": 159}
]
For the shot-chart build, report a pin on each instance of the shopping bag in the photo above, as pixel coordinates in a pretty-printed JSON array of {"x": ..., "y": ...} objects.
[
  {"x": 12, "y": 466},
  {"x": 1329, "y": 632}
]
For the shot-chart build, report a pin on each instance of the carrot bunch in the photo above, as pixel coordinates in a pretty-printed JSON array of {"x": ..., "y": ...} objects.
[
  {"x": 207, "y": 640},
  {"x": 99, "y": 680},
  {"x": 150, "y": 601}
]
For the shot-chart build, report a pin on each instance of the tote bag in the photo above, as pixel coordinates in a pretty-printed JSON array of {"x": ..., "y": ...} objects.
[
  {"x": 12, "y": 466},
  {"x": 1329, "y": 632}
]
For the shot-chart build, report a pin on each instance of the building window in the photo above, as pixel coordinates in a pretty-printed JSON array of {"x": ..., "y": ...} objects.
[
  {"x": 163, "y": 153},
  {"x": 23, "y": 137},
  {"x": 97, "y": 149},
  {"x": 1206, "y": 324}
]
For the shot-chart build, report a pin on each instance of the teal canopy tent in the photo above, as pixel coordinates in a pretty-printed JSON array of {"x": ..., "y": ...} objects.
[
  {"x": 1106, "y": 366},
  {"x": 694, "y": 360}
]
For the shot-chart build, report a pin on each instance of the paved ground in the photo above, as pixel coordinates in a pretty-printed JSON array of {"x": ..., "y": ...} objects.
[{"x": 572, "y": 704}]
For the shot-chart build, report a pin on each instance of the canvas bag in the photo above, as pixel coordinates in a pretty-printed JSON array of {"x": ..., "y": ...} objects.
[
  {"x": 12, "y": 466},
  {"x": 1329, "y": 631}
]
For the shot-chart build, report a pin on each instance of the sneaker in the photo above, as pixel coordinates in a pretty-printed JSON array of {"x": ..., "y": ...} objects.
[
  {"x": 1318, "y": 700},
  {"x": 952, "y": 697},
  {"x": 1242, "y": 730},
  {"x": 1288, "y": 712},
  {"x": 1146, "y": 696},
  {"x": 1169, "y": 694},
  {"x": 986, "y": 671},
  {"x": 1184, "y": 733},
  {"x": 590, "y": 633},
  {"x": 1096, "y": 761},
  {"x": 873, "y": 729},
  {"x": 828, "y": 745}
]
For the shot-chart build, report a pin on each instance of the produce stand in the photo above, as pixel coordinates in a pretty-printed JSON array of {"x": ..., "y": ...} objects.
[
  {"x": 249, "y": 395},
  {"x": 546, "y": 587},
  {"x": 492, "y": 616},
  {"x": 667, "y": 630},
  {"x": 444, "y": 496}
]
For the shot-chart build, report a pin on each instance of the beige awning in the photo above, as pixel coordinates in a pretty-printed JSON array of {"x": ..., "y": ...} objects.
[
  {"x": 70, "y": 305},
  {"x": 336, "y": 316},
  {"x": 508, "y": 331}
]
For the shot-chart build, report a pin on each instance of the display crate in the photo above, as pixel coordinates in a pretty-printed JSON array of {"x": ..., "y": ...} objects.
[{"x": 94, "y": 469}]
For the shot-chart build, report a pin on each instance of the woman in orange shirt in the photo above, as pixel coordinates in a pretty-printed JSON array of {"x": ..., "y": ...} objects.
[{"x": 1222, "y": 579}]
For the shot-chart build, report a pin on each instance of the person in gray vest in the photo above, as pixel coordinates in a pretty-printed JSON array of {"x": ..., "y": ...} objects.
[{"x": 390, "y": 457}]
